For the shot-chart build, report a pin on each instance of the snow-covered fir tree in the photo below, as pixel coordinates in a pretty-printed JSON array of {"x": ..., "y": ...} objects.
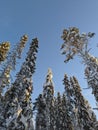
[
  {"x": 17, "y": 106},
  {"x": 48, "y": 95},
  {"x": 58, "y": 110},
  {"x": 66, "y": 117},
  {"x": 91, "y": 73},
  {"x": 70, "y": 103},
  {"x": 77, "y": 44},
  {"x": 4, "y": 48},
  {"x": 8, "y": 65},
  {"x": 53, "y": 114},
  {"x": 39, "y": 107},
  {"x": 10, "y": 62},
  {"x": 45, "y": 105},
  {"x": 63, "y": 118},
  {"x": 85, "y": 115}
]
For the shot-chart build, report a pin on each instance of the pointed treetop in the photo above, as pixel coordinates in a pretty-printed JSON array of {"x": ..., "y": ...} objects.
[
  {"x": 4, "y": 48},
  {"x": 49, "y": 75},
  {"x": 48, "y": 85},
  {"x": 24, "y": 38}
]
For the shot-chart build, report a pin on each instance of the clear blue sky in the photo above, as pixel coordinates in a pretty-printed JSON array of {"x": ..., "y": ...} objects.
[{"x": 46, "y": 20}]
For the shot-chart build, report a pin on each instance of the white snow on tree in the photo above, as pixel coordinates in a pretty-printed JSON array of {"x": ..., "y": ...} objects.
[
  {"x": 67, "y": 111},
  {"x": 77, "y": 44},
  {"x": 17, "y": 111}
]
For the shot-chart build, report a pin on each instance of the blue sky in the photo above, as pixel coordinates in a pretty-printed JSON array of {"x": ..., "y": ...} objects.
[{"x": 46, "y": 20}]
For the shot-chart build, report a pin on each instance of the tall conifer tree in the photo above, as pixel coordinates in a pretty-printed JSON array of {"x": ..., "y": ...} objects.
[
  {"x": 84, "y": 113},
  {"x": 39, "y": 108},
  {"x": 70, "y": 103},
  {"x": 18, "y": 108},
  {"x": 77, "y": 44},
  {"x": 48, "y": 95}
]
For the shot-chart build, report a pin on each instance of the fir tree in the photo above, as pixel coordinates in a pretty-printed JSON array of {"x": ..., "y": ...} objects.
[
  {"x": 10, "y": 62},
  {"x": 70, "y": 103},
  {"x": 84, "y": 112},
  {"x": 66, "y": 117},
  {"x": 39, "y": 108},
  {"x": 48, "y": 95},
  {"x": 4, "y": 48},
  {"x": 77, "y": 44},
  {"x": 53, "y": 115},
  {"x": 59, "y": 111},
  {"x": 17, "y": 105},
  {"x": 44, "y": 106},
  {"x": 91, "y": 73}
]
